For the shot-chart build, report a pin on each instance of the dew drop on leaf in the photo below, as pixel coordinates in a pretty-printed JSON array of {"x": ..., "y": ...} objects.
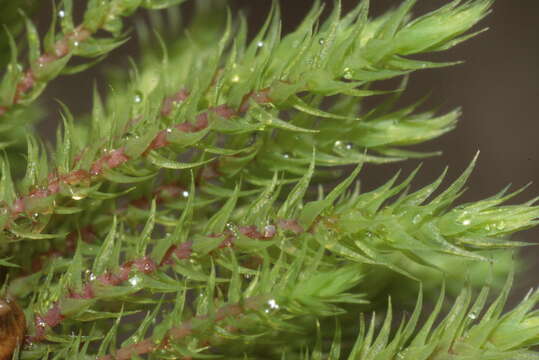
[
  {"x": 61, "y": 14},
  {"x": 138, "y": 97},
  {"x": 463, "y": 220},
  {"x": 321, "y": 41},
  {"x": 273, "y": 304},
  {"x": 338, "y": 146},
  {"x": 260, "y": 44},
  {"x": 77, "y": 196},
  {"x": 185, "y": 193},
  {"x": 269, "y": 231},
  {"x": 134, "y": 280}
]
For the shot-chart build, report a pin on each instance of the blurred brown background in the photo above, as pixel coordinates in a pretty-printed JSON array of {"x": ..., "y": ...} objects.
[{"x": 497, "y": 87}]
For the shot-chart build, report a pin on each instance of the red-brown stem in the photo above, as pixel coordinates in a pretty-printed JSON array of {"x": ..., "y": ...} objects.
[
  {"x": 186, "y": 329},
  {"x": 61, "y": 48},
  {"x": 117, "y": 157},
  {"x": 146, "y": 265}
]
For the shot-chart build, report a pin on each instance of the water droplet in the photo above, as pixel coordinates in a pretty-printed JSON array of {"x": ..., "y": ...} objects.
[
  {"x": 286, "y": 155},
  {"x": 147, "y": 267},
  {"x": 92, "y": 276},
  {"x": 472, "y": 315},
  {"x": 76, "y": 43},
  {"x": 463, "y": 219},
  {"x": 349, "y": 146},
  {"x": 339, "y": 146},
  {"x": 169, "y": 130},
  {"x": 321, "y": 41},
  {"x": 269, "y": 231},
  {"x": 185, "y": 193},
  {"x": 273, "y": 304},
  {"x": 260, "y": 44},
  {"x": 135, "y": 280},
  {"x": 347, "y": 73},
  {"x": 40, "y": 322},
  {"x": 235, "y": 78},
  {"x": 61, "y": 14},
  {"x": 368, "y": 234},
  {"x": 35, "y": 216},
  {"x": 138, "y": 98},
  {"x": 78, "y": 197}
]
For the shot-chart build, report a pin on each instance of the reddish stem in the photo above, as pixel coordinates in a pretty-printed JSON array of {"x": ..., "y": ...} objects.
[
  {"x": 117, "y": 157},
  {"x": 61, "y": 48},
  {"x": 146, "y": 265},
  {"x": 186, "y": 329}
]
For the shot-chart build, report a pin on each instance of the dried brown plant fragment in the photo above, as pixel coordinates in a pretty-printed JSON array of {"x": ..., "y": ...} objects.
[{"x": 12, "y": 327}]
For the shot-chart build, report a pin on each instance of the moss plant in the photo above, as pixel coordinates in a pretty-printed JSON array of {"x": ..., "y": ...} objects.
[{"x": 193, "y": 213}]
